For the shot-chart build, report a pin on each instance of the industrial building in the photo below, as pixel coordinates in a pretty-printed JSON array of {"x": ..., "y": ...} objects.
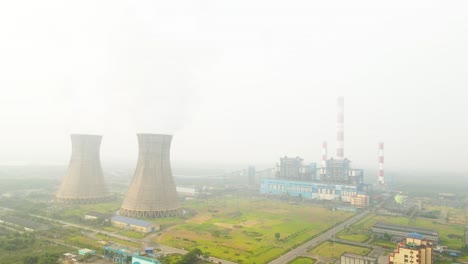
[
  {"x": 360, "y": 201},
  {"x": 349, "y": 258},
  {"x": 84, "y": 181},
  {"x": 134, "y": 224},
  {"x": 310, "y": 190},
  {"x": 126, "y": 256},
  {"x": 86, "y": 251},
  {"x": 413, "y": 250},
  {"x": 152, "y": 192},
  {"x": 293, "y": 169},
  {"x": 398, "y": 232},
  {"x": 336, "y": 179}
]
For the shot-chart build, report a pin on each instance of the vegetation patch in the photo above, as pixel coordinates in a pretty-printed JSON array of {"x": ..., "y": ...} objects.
[
  {"x": 249, "y": 231},
  {"x": 335, "y": 250},
  {"x": 445, "y": 230},
  {"x": 302, "y": 260}
]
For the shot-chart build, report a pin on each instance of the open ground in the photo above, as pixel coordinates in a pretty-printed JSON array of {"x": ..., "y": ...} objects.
[{"x": 249, "y": 230}]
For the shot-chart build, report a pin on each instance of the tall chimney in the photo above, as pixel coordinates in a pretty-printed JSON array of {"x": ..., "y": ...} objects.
[
  {"x": 84, "y": 182},
  {"x": 381, "y": 164},
  {"x": 324, "y": 154},
  {"x": 152, "y": 192},
  {"x": 340, "y": 129}
]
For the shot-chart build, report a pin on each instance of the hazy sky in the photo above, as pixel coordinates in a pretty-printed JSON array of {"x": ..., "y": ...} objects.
[{"x": 236, "y": 81}]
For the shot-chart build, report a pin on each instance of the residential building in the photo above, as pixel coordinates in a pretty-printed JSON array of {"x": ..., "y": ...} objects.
[{"x": 415, "y": 249}]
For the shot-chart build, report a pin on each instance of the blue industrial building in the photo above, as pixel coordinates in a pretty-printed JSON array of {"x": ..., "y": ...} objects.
[{"x": 309, "y": 190}]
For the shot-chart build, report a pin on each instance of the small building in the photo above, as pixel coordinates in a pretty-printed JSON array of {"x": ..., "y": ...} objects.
[
  {"x": 413, "y": 250},
  {"x": 86, "y": 251},
  {"x": 68, "y": 258},
  {"x": 122, "y": 255},
  {"x": 134, "y": 224},
  {"x": 143, "y": 260},
  {"x": 360, "y": 200},
  {"x": 191, "y": 191},
  {"x": 398, "y": 232},
  {"x": 349, "y": 258},
  {"x": 97, "y": 216}
]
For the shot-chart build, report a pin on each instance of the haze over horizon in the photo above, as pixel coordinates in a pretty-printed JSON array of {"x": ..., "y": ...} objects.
[{"x": 236, "y": 82}]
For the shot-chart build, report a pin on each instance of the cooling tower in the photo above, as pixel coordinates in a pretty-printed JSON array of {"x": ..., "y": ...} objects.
[
  {"x": 152, "y": 192},
  {"x": 84, "y": 181}
]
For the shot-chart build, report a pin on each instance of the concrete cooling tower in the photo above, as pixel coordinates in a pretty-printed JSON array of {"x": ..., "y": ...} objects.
[
  {"x": 152, "y": 192},
  {"x": 84, "y": 181}
]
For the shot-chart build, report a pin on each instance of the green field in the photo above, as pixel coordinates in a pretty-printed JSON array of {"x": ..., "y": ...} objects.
[
  {"x": 243, "y": 230},
  {"x": 16, "y": 248},
  {"x": 302, "y": 260},
  {"x": 352, "y": 237},
  {"x": 119, "y": 241},
  {"x": 335, "y": 250},
  {"x": 78, "y": 211},
  {"x": 445, "y": 230}
]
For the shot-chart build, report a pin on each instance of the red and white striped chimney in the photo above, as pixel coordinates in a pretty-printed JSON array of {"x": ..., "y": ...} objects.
[
  {"x": 324, "y": 154},
  {"x": 381, "y": 163},
  {"x": 340, "y": 129}
]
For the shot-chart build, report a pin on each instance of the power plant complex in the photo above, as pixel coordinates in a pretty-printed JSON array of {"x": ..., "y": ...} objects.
[
  {"x": 84, "y": 181},
  {"x": 152, "y": 192},
  {"x": 334, "y": 180}
]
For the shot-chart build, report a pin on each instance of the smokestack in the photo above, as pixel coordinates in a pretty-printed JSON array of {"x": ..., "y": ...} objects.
[
  {"x": 324, "y": 155},
  {"x": 152, "y": 192},
  {"x": 381, "y": 164},
  {"x": 340, "y": 129},
  {"x": 84, "y": 181}
]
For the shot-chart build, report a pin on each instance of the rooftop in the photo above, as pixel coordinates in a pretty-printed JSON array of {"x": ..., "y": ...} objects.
[
  {"x": 130, "y": 221},
  {"x": 407, "y": 229}
]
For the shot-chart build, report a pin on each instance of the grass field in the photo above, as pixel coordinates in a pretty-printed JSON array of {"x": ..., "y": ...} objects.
[
  {"x": 384, "y": 243},
  {"x": 243, "y": 230},
  {"x": 119, "y": 241},
  {"x": 335, "y": 250},
  {"x": 302, "y": 260},
  {"x": 352, "y": 237},
  {"x": 78, "y": 211},
  {"x": 444, "y": 230},
  {"x": 455, "y": 215}
]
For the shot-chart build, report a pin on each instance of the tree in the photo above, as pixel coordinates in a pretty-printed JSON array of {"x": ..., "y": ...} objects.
[
  {"x": 206, "y": 256},
  {"x": 277, "y": 236},
  {"x": 191, "y": 257}
]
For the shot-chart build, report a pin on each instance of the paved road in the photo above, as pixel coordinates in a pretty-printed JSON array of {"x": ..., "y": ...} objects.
[{"x": 302, "y": 249}]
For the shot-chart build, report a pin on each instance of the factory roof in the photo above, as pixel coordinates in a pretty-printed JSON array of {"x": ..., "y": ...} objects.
[
  {"x": 130, "y": 221},
  {"x": 407, "y": 229},
  {"x": 415, "y": 235}
]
